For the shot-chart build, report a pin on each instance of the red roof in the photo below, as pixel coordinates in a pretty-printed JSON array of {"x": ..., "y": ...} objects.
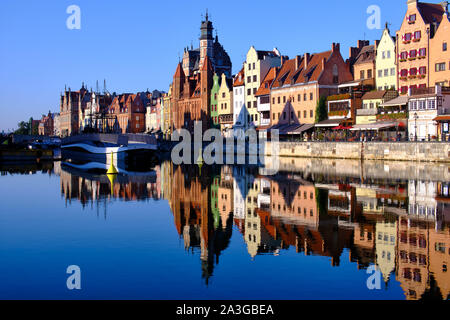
[
  {"x": 239, "y": 79},
  {"x": 265, "y": 86},
  {"x": 179, "y": 73},
  {"x": 207, "y": 64}
]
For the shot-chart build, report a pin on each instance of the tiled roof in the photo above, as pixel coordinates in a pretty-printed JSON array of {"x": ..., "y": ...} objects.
[
  {"x": 265, "y": 86},
  {"x": 239, "y": 79},
  {"x": 207, "y": 64},
  {"x": 288, "y": 75},
  {"x": 430, "y": 12},
  {"x": 367, "y": 54},
  {"x": 374, "y": 95}
]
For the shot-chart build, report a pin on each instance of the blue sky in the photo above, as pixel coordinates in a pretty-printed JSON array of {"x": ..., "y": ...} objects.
[{"x": 134, "y": 45}]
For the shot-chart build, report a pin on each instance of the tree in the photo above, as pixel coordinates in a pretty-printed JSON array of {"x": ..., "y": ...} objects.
[
  {"x": 23, "y": 128},
  {"x": 321, "y": 109}
]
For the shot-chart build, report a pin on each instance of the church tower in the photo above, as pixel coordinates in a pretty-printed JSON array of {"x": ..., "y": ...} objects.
[{"x": 206, "y": 40}]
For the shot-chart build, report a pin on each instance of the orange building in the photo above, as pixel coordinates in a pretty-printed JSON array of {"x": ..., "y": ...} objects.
[
  {"x": 414, "y": 44},
  {"x": 127, "y": 114},
  {"x": 300, "y": 83},
  {"x": 440, "y": 54},
  {"x": 364, "y": 66}
]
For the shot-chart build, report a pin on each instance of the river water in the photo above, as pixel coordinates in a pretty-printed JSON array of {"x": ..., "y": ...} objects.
[{"x": 318, "y": 229}]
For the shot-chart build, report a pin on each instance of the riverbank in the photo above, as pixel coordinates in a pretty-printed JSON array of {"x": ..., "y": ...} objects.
[{"x": 392, "y": 151}]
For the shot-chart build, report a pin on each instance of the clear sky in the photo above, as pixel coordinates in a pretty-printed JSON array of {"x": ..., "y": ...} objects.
[{"x": 135, "y": 45}]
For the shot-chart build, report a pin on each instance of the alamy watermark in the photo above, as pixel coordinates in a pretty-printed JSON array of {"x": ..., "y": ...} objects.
[
  {"x": 189, "y": 150},
  {"x": 74, "y": 280},
  {"x": 374, "y": 280},
  {"x": 374, "y": 19},
  {"x": 74, "y": 19}
]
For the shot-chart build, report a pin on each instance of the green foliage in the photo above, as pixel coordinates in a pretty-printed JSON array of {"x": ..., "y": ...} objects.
[
  {"x": 23, "y": 128},
  {"x": 321, "y": 109}
]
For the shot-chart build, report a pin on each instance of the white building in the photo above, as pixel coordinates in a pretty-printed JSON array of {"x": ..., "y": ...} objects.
[
  {"x": 239, "y": 111},
  {"x": 424, "y": 105}
]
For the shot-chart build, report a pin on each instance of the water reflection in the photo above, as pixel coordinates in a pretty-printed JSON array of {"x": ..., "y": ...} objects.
[{"x": 383, "y": 214}]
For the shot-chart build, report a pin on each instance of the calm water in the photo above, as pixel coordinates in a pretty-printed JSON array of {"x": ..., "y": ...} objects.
[{"x": 313, "y": 231}]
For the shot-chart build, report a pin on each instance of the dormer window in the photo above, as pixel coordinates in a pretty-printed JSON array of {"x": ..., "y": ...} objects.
[{"x": 412, "y": 18}]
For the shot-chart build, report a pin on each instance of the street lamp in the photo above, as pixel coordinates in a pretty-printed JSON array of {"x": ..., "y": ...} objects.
[{"x": 415, "y": 125}]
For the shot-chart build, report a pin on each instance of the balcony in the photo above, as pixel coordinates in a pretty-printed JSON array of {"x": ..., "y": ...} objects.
[
  {"x": 226, "y": 118},
  {"x": 264, "y": 122},
  {"x": 263, "y": 107}
]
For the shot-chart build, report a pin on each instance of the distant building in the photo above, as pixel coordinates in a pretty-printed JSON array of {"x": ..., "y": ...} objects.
[
  {"x": 127, "y": 114},
  {"x": 70, "y": 104},
  {"x": 240, "y": 113},
  {"x": 46, "y": 125},
  {"x": 225, "y": 105}
]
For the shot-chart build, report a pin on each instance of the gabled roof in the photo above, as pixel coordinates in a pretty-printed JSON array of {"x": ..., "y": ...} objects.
[
  {"x": 207, "y": 64},
  {"x": 430, "y": 12},
  {"x": 289, "y": 75},
  {"x": 179, "y": 73},
  {"x": 239, "y": 79},
  {"x": 264, "y": 88},
  {"x": 367, "y": 54},
  {"x": 372, "y": 95}
]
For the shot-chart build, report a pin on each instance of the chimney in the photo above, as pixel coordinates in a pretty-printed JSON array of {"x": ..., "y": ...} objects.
[
  {"x": 306, "y": 58},
  {"x": 412, "y": 2},
  {"x": 324, "y": 61},
  {"x": 297, "y": 62},
  {"x": 336, "y": 47}
]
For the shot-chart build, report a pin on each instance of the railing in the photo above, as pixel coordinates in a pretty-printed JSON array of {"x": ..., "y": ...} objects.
[
  {"x": 366, "y": 112},
  {"x": 226, "y": 118}
]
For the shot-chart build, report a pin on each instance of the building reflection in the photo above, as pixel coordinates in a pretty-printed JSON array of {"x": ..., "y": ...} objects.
[{"x": 402, "y": 226}]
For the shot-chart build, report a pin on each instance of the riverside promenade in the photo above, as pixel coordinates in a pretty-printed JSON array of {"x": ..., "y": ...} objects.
[{"x": 392, "y": 151}]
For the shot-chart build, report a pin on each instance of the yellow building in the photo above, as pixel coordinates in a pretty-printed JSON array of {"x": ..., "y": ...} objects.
[
  {"x": 385, "y": 244},
  {"x": 256, "y": 66},
  {"x": 386, "y": 69},
  {"x": 225, "y": 105},
  {"x": 167, "y": 123}
]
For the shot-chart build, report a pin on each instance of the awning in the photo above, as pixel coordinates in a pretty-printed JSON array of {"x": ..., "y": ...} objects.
[
  {"x": 399, "y": 101},
  {"x": 330, "y": 123},
  {"x": 442, "y": 118},
  {"x": 374, "y": 126},
  {"x": 301, "y": 129}
]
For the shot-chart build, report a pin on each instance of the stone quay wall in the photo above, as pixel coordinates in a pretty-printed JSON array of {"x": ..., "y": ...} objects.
[{"x": 388, "y": 151}]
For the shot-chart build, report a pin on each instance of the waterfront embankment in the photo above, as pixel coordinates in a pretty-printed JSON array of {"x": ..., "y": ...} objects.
[{"x": 392, "y": 151}]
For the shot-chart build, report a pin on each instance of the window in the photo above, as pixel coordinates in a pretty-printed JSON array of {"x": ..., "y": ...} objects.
[
  {"x": 249, "y": 66},
  {"x": 404, "y": 73},
  {"x": 311, "y": 113},
  {"x": 255, "y": 67},
  {"x": 254, "y": 90},
  {"x": 413, "y": 71},
  {"x": 383, "y": 55},
  {"x": 407, "y": 37},
  {"x": 412, "y": 53},
  {"x": 311, "y": 96},
  {"x": 417, "y": 35},
  {"x": 388, "y": 54},
  {"x": 444, "y": 46},
  {"x": 412, "y": 18},
  {"x": 256, "y": 117},
  {"x": 404, "y": 90},
  {"x": 249, "y": 79},
  {"x": 273, "y": 100},
  {"x": 431, "y": 104},
  {"x": 404, "y": 55},
  {"x": 223, "y": 94},
  {"x": 255, "y": 104},
  {"x": 299, "y": 98},
  {"x": 304, "y": 114},
  {"x": 254, "y": 78},
  {"x": 422, "y": 70},
  {"x": 137, "y": 125},
  {"x": 299, "y": 114},
  {"x": 361, "y": 74},
  {"x": 386, "y": 72},
  {"x": 273, "y": 116},
  {"x": 440, "y": 67},
  {"x": 249, "y": 105},
  {"x": 284, "y": 99},
  {"x": 304, "y": 97},
  {"x": 279, "y": 100},
  {"x": 249, "y": 92},
  {"x": 422, "y": 52},
  {"x": 380, "y": 73},
  {"x": 392, "y": 71}
]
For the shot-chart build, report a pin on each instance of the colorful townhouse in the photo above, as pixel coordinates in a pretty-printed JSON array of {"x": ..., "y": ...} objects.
[
  {"x": 46, "y": 125},
  {"x": 225, "y": 105},
  {"x": 256, "y": 66},
  {"x": 364, "y": 67},
  {"x": 70, "y": 104},
  {"x": 385, "y": 63},
  {"x": 213, "y": 103},
  {"x": 414, "y": 45},
  {"x": 424, "y": 106},
  {"x": 127, "y": 114},
  {"x": 263, "y": 96},
  {"x": 301, "y": 82},
  {"x": 240, "y": 113},
  {"x": 440, "y": 53}
]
